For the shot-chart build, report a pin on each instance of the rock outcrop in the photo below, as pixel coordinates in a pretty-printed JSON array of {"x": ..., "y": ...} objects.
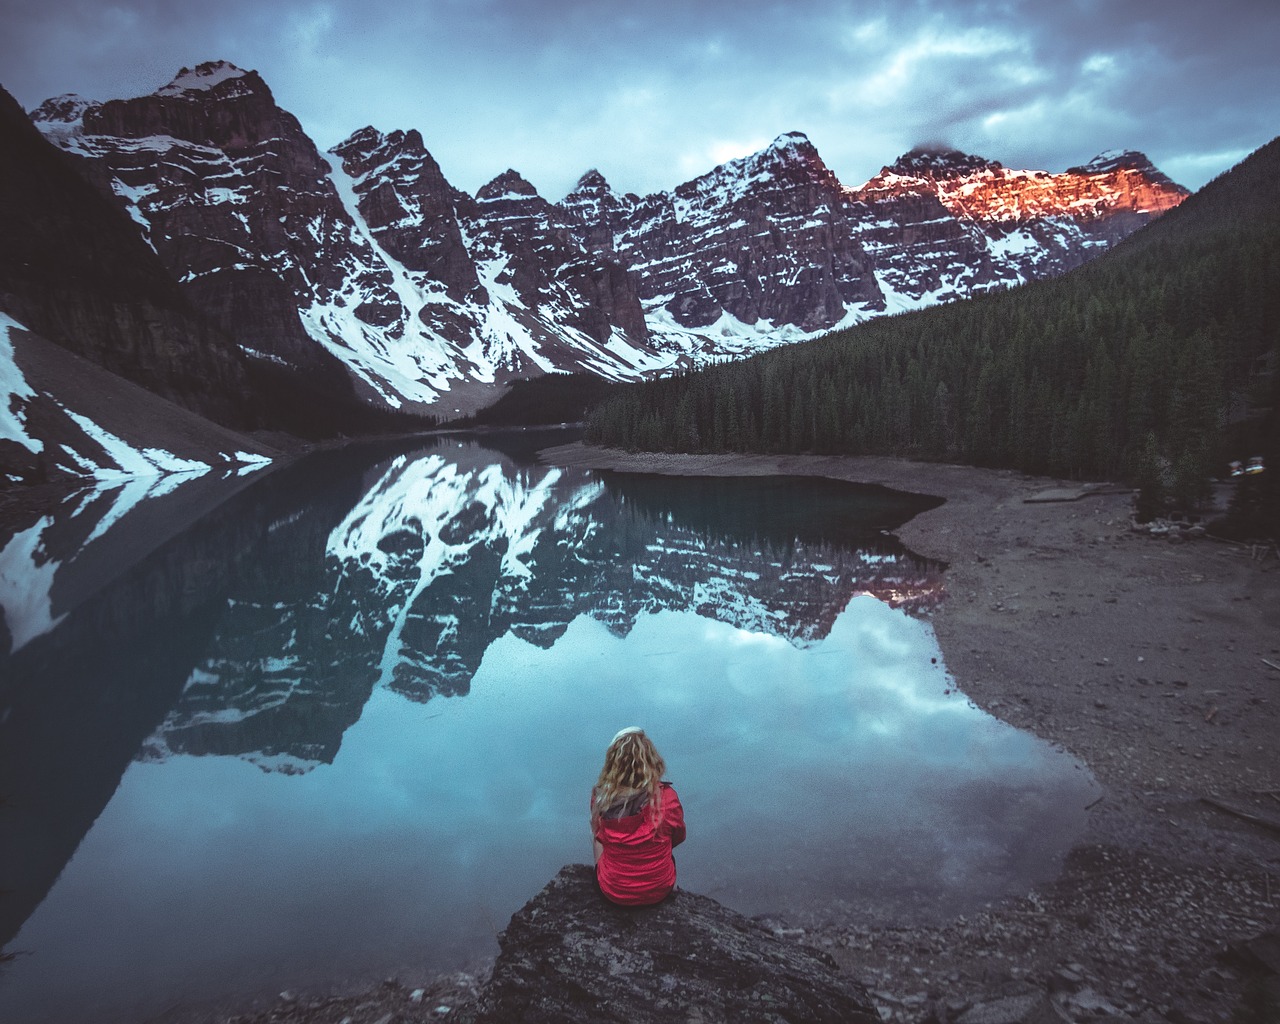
[
  {"x": 551, "y": 273},
  {"x": 571, "y": 957},
  {"x": 409, "y": 207},
  {"x": 774, "y": 240}
]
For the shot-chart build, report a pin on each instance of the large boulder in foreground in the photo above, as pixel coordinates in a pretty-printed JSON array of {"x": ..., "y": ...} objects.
[{"x": 570, "y": 956}]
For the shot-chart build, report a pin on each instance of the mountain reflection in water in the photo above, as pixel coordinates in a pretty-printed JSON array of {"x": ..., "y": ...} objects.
[{"x": 309, "y": 628}]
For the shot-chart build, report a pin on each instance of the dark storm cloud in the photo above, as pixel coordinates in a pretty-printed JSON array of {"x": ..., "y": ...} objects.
[{"x": 657, "y": 93}]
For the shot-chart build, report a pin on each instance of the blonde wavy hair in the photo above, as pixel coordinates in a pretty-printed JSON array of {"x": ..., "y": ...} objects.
[{"x": 632, "y": 766}]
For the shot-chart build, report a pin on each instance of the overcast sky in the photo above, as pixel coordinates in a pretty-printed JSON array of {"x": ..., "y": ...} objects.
[{"x": 655, "y": 93}]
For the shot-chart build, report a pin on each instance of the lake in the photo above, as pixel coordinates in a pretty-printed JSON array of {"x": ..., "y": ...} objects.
[{"x": 336, "y": 722}]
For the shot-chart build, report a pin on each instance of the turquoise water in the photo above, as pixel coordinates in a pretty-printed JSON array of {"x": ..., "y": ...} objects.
[{"x": 345, "y": 723}]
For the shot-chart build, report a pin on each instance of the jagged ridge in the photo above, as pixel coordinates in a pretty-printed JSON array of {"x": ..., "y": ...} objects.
[{"x": 428, "y": 297}]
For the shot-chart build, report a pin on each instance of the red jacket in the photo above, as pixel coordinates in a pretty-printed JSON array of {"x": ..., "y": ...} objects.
[{"x": 636, "y": 866}]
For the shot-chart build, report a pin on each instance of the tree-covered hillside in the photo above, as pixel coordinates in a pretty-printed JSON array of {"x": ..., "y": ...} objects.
[{"x": 1156, "y": 360}]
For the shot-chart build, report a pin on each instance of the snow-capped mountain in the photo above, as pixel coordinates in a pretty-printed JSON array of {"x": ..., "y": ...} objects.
[
  {"x": 364, "y": 261},
  {"x": 757, "y": 252},
  {"x": 238, "y": 204},
  {"x": 492, "y": 277},
  {"x": 75, "y": 270},
  {"x": 428, "y": 297},
  {"x": 940, "y": 224}
]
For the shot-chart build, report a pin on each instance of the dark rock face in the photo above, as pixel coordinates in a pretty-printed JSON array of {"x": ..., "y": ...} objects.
[
  {"x": 775, "y": 239},
  {"x": 570, "y": 956},
  {"x": 549, "y": 269},
  {"x": 410, "y": 208},
  {"x": 509, "y": 236},
  {"x": 762, "y": 238},
  {"x": 235, "y": 200},
  {"x": 73, "y": 268}
]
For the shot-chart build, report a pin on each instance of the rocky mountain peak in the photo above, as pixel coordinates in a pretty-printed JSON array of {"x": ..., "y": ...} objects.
[
  {"x": 595, "y": 212},
  {"x": 1115, "y": 161},
  {"x": 382, "y": 256},
  {"x": 592, "y": 183},
  {"x": 360, "y": 144},
  {"x": 790, "y": 161},
  {"x": 401, "y": 141},
  {"x": 369, "y": 149},
  {"x": 793, "y": 145},
  {"x": 211, "y": 75},
  {"x": 939, "y": 162},
  {"x": 791, "y": 156},
  {"x": 410, "y": 208},
  {"x": 216, "y": 104},
  {"x": 65, "y": 109},
  {"x": 506, "y": 185}
]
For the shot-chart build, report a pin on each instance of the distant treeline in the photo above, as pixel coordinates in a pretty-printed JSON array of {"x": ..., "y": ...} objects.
[
  {"x": 1155, "y": 363},
  {"x": 553, "y": 398}
]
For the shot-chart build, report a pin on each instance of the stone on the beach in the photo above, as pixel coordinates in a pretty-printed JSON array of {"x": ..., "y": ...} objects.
[
  {"x": 570, "y": 956},
  {"x": 1034, "y": 1008}
]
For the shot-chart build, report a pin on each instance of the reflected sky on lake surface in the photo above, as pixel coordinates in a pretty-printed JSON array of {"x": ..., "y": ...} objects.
[{"x": 347, "y": 820}]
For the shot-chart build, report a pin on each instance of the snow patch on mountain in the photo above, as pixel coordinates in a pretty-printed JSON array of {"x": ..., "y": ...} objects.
[
  {"x": 16, "y": 392},
  {"x": 424, "y": 519},
  {"x": 421, "y": 364},
  {"x": 901, "y": 297},
  {"x": 516, "y": 506},
  {"x": 130, "y": 461},
  {"x": 201, "y": 78},
  {"x": 726, "y": 338},
  {"x": 415, "y": 500}
]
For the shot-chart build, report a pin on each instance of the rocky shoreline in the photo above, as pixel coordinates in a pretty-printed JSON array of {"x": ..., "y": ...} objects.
[{"x": 1155, "y": 663}]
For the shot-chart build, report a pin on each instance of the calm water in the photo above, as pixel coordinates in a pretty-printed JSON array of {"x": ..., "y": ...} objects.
[{"x": 340, "y": 722}]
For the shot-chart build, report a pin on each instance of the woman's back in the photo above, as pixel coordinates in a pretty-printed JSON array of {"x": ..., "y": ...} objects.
[{"x": 636, "y": 821}]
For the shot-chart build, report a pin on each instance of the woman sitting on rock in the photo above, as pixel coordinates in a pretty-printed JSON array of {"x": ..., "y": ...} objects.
[{"x": 636, "y": 820}]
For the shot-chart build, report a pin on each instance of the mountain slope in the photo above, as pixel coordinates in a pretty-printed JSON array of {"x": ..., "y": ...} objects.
[
  {"x": 74, "y": 269},
  {"x": 65, "y": 418},
  {"x": 762, "y": 238},
  {"x": 975, "y": 226},
  {"x": 237, "y": 203},
  {"x": 365, "y": 263},
  {"x": 493, "y": 277}
]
